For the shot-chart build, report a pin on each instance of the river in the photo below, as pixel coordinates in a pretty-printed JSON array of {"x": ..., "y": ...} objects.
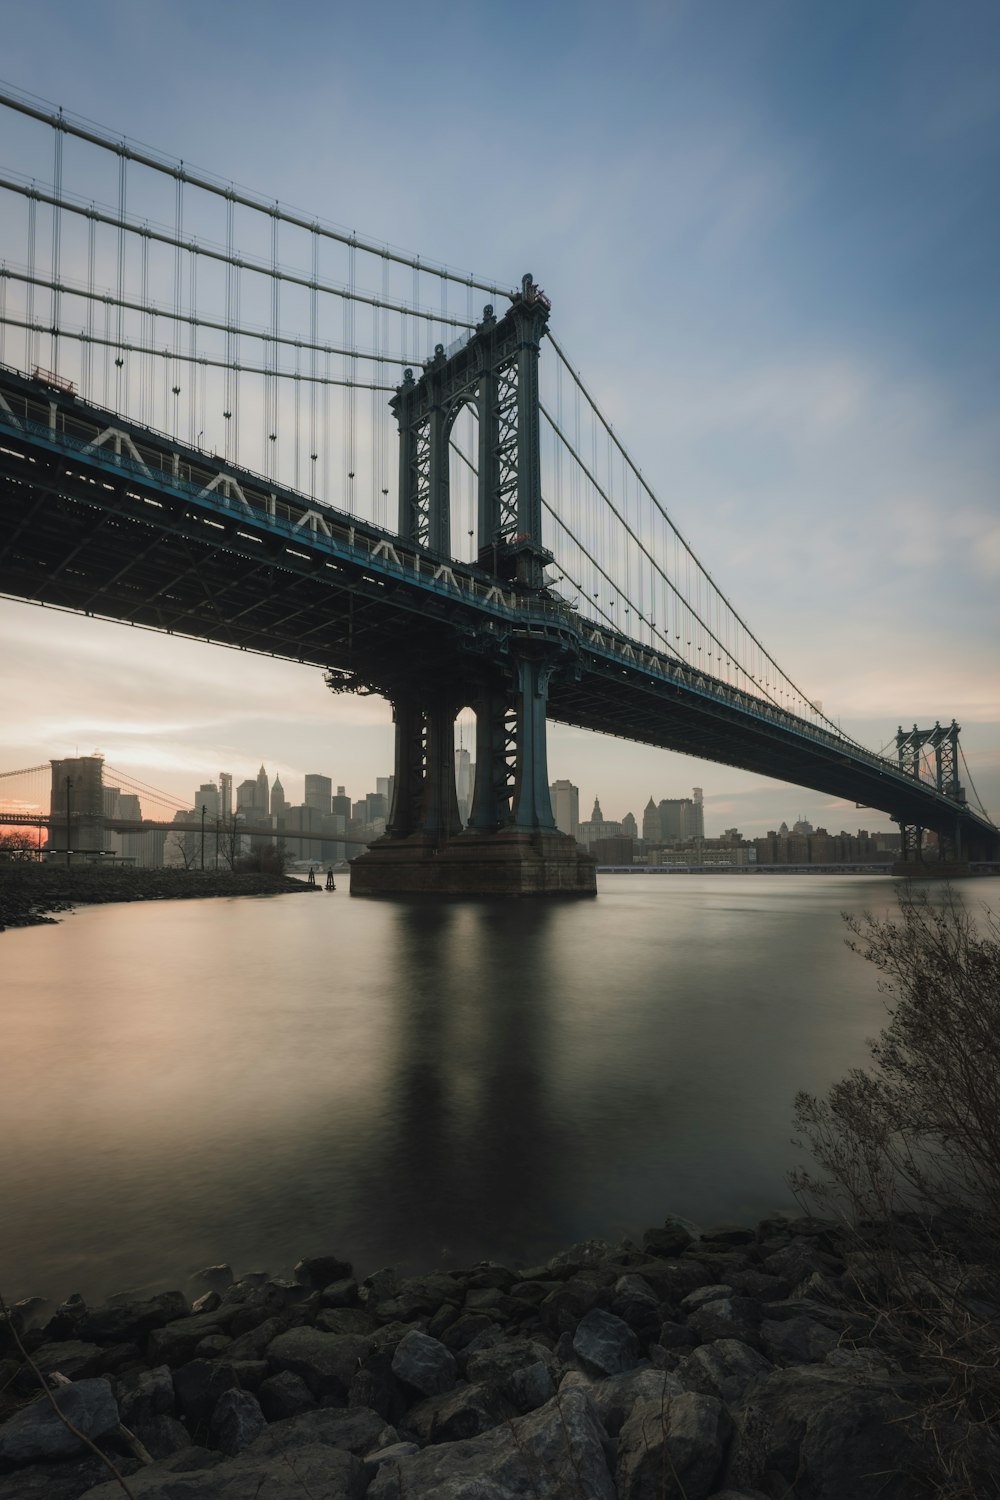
[{"x": 255, "y": 1080}]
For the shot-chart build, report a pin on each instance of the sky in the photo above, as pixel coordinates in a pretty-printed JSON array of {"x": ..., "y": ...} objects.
[{"x": 770, "y": 232}]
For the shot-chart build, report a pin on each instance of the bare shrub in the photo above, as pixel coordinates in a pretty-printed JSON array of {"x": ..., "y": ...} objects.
[{"x": 908, "y": 1155}]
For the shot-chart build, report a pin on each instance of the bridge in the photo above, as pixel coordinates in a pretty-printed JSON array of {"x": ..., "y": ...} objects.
[{"x": 195, "y": 438}]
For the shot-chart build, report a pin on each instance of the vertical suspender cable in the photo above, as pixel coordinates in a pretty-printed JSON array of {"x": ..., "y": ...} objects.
[
  {"x": 87, "y": 374},
  {"x": 120, "y": 355},
  {"x": 29, "y": 332},
  {"x": 57, "y": 181},
  {"x": 313, "y": 361}
]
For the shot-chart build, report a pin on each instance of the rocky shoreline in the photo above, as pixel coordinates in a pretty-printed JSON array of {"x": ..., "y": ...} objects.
[
  {"x": 30, "y": 893},
  {"x": 741, "y": 1365}
]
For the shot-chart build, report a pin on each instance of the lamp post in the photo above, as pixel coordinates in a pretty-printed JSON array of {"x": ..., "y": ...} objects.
[
  {"x": 204, "y": 810},
  {"x": 69, "y": 787}
]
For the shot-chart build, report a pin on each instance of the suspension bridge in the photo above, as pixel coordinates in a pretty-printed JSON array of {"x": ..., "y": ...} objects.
[{"x": 224, "y": 419}]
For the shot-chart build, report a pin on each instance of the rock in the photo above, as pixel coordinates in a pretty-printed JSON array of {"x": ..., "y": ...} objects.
[
  {"x": 392, "y": 1454},
  {"x": 563, "y": 1441},
  {"x": 36, "y": 1431},
  {"x": 311, "y": 1469},
  {"x": 727, "y": 1318},
  {"x": 150, "y": 1393},
  {"x": 376, "y": 1387},
  {"x": 464, "y": 1412},
  {"x": 424, "y": 1364},
  {"x": 200, "y": 1384},
  {"x": 71, "y": 1357},
  {"x": 713, "y": 1293},
  {"x": 728, "y": 1234},
  {"x": 605, "y": 1344},
  {"x": 797, "y": 1341},
  {"x": 162, "y": 1436},
  {"x": 207, "y": 1302},
  {"x": 634, "y": 1300},
  {"x": 460, "y": 1333},
  {"x": 66, "y": 1480},
  {"x": 129, "y": 1319},
  {"x": 345, "y": 1320},
  {"x": 236, "y": 1421},
  {"x": 212, "y": 1347},
  {"x": 357, "y": 1431},
  {"x": 214, "y": 1278},
  {"x": 673, "y": 1239},
  {"x": 327, "y": 1362},
  {"x": 826, "y": 1435},
  {"x": 616, "y": 1398},
  {"x": 321, "y": 1271},
  {"x": 378, "y": 1286},
  {"x": 677, "y": 1336},
  {"x": 66, "y": 1319},
  {"x": 672, "y": 1451},
  {"x": 723, "y": 1368},
  {"x": 253, "y": 1344},
  {"x": 586, "y": 1255},
  {"x": 562, "y": 1309},
  {"x": 284, "y": 1395},
  {"x": 175, "y": 1343},
  {"x": 519, "y": 1369},
  {"x": 342, "y": 1293}
]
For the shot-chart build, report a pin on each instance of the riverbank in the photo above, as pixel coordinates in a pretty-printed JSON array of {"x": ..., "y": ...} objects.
[
  {"x": 30, "y": 893},
  {"x": 740, "y": 1365}
]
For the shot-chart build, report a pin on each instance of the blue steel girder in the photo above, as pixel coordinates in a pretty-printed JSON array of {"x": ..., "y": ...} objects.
[{"x": 164, "y": 536}]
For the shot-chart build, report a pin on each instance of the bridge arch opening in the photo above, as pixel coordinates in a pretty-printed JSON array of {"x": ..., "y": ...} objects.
[{"x": 463, "y": 483}]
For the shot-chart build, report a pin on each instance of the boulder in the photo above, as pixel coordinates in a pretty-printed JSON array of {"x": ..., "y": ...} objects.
[
  {"x": 320, "y": 1271},
  {"x": 605, "y": 1344},
  {"x": 673, "y": 1239},
  {"x": 161, "y": 1436},
  {"x": 714, "y": 1292},
  {"x": 797, "y": 1341},
  {"x": 129, "y": 1319},
  {"x": 341, "y": 1293},
  {"x": 584, "y": 1256},
  {"x": 236, "y": 1421},
  {"x": 214, "y": 1278},
  {"x": 521, "y": 1370},
  {"x": 634, "y": 1300},
  {"x": 562, "y": 1309},
  {"x": 284, "y": 1395},
  {"x": 673, "y": 1450},
  {"x": 727, "y": 1318},
  {"x": 728, "y": 1234},
  {"x": 146, "y": 1394},
  {"x": 71, "y": 1357},
  {"x": 311, "y": 1469},
  {"x": 198, "y": 1386},
  {"x": 827, "y": 1433},
  {"x": 36, "y": 1431},
  {"x": 66, "y": 1480},
  {"x": 563, "y": 1441},
  {"x": 327, "y": 1362},
  {"x": 357, "y": 1430},
  {"x": 423, "y": 1364},
  {"x": 617, "y": 1397},
  {"x": 175, "y": 1343},
  {"x": 464, "y": 1412},
  {"x": 723, "y": 1368}
]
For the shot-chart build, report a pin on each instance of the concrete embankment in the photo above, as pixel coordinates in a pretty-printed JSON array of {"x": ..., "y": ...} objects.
[
  {"x": 741, "y": 1365},
  {"x": 30, "y": 893}
]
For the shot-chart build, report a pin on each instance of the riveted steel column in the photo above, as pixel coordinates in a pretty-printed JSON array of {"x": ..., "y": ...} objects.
[
  {"x": 531, "y": 317},
  {"x": 408, "y": 782},
  {"x": 532, "y": 805},
  {"x": 440, "y": 818},
  {"x": 491, "y": 797}
]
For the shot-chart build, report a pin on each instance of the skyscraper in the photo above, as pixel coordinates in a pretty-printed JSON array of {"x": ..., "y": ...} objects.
[
  {"x": 278, "y": 803},
  {"x": 566, "y": 807},
  {"x": 226, "y": 794},
  {"x": 262, "y": 801},
  {"x": 319, "y": 793}
]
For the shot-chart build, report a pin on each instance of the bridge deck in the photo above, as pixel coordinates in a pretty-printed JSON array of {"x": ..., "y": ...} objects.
[{"x": 106, "y": 518}]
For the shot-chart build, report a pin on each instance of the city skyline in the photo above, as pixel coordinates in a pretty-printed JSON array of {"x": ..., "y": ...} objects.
[{"x": 777, "y": 279}]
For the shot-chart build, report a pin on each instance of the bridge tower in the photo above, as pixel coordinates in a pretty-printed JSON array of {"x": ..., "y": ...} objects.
[
  {"x": 511, "y": 845},
  {"x": 910, "y": 745}
]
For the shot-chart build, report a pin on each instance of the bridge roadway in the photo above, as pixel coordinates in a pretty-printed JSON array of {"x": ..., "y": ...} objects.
[{"x": 110, "y": 519}]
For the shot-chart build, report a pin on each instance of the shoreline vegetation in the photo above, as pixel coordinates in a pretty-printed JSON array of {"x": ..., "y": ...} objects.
[{"x": 29, "y": 893}]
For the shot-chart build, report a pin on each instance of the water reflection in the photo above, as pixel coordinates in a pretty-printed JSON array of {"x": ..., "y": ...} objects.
[{"x": 419, "y": 1084}]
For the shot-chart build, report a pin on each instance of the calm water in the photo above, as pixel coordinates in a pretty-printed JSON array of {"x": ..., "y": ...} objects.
[{"x": 256, "y": 1080}]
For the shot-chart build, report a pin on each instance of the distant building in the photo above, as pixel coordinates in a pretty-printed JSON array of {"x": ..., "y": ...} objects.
[
  {"x": 262, "y": 800},
  {"x": 629, "y": 827},
  {"x": 225, "y": 794},
  {"x": 278, "y": 802},
  {"x": 598, "y": 827},
  {"x": 246, "y": 796},
  {"x": 207, "y": 797},
  {"x": 566, "y": 807},
  {"x": 319, "y": 793},
  {"x": 463, "y": 783},
  {"x": 77, "y": 790}
]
